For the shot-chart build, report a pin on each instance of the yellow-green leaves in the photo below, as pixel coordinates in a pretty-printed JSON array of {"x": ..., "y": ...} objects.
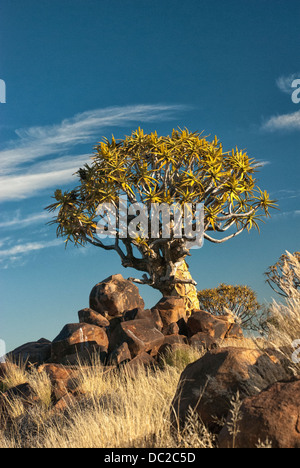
[
  {"x": 264, "y": 202},
  {"x": 184, "y": 167}
]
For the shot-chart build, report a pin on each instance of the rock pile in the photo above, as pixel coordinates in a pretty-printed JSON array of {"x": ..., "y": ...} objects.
[
  {"x": 122, "y": 333},
  {"x": 119, "y": 329}
]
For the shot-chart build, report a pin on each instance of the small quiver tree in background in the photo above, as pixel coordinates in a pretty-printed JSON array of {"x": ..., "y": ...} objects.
[
  {"x": 284, "y": 315},
  {"x": 150, "y": 169},
  {"x": 240, "y": 301},
  {"x": 283, "y": 276}
]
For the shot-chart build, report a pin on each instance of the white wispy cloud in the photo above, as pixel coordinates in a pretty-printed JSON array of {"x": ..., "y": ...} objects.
[
  {"x": 286, "y": 122},
  {"x": 36, "y": 142},
  {"x": 15, "y": 220},
  {"x": 28, "y": 247},
  {"x": 41, "y": 158},
  {"x": 261, "y": 163},
  {"x": 23, "y": 175},
  {"x": 286, "y": 214},
  {"x": 286, "y": 194},
  {"x": 284, "y": 82},
  {"x": 4, "y": 241},
  {"x": 41, "y": 176},
  {"x": 24, "y": 186}
]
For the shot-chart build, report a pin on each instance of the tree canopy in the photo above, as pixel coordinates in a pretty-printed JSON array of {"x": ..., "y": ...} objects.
[
  {"x": 240, "y": 300},
  {"x": 180, "y": 168}
]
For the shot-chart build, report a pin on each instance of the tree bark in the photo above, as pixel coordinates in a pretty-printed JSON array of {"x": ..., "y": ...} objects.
[{"x": 182, "y": 286}]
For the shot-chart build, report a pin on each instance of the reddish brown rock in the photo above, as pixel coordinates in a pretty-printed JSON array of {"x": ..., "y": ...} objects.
[
  {"x": 78, "y": 338},
  {"x": 138, "y": 334},
  {"x": 92, "y": 317},
  {"x": 120, "y": 355},
  {"x": 171, "y": 343},
  {"x": 201, "y": 321},
  {"x": 64, "y": 404},
  {"x": 23, "y": 393},
  {"x": 35, "y": 352},
  {"x": 208, "y": 384},
  {"x": 202, "y": 341},
  {"x": 235, "y": 332},
  {"x": 172, "y": 339},
  {"x": 172, "y": 329},
  {"x": 143, "y": 360},
  {"x": 63, "y": 378},
  {"x": 171, "y": 309},
  {"x": 115, "y": 296},
  {"x": 273, "y": 415},
  {"x": 151, "y": 315}
]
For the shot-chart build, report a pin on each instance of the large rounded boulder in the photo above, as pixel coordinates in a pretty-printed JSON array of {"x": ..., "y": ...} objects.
[
  {"x": 208, "y": 385},
  {"x": 115, "y": 296},
  {"x": 272, "y": 417}
]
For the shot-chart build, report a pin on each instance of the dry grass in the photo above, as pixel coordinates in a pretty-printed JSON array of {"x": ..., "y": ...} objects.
[
  {"x": 284, "y": 323},
  {"x": 115, "y": 411}
]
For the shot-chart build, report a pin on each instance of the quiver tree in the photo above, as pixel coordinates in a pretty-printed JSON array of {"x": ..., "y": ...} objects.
[
  {"x": 240, "y": 300},
  {"x": 184, "y": 168},
  {"x": 283, "y": 276}
]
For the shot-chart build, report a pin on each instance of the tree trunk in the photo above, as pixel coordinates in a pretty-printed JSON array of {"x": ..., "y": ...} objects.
[{"x": 186, "y": 290}]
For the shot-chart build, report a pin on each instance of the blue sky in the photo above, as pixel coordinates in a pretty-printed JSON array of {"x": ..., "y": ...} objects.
[{"x": 77, "y": 70}]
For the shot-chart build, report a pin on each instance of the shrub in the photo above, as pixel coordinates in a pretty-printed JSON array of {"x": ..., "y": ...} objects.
[{"x": 239, "y": 300}]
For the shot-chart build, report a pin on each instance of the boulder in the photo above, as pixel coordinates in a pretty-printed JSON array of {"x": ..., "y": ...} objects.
[
  {"x": 202, "y": 341},
  {"x": 171, "y": 343},
  {"x": 92, "y": 317},
  {"x": 273, "y": 415},
  {"x": 114, "y": 296},
  {"x": 145, "y": 314},
  {"x": 171, "y": 309},
  {"x": 62, "y": 378},
  {"x": 172, "y": 329},
  {"x": 23, "y": 393},
  {"x": 76, "y": 338},
  {"x": 235, "y": 332},
  {"x": 139, "y": 335},
  {"x": 64, "y": 404},
  {"x": 35, "y": 352},
  {"x": 208, "y": 384},
  {"x": 120, "y": 355},
  {"x": 143, "y": 360},
  {"x": 204, "y": 322}
]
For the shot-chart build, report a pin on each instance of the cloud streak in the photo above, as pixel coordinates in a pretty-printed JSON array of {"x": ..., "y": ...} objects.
[
  {"x": 287, "y": 122},
  {"x": 23, "y": 175},
  {"x": 36, "y": 142},
  {"x": 284, "y": 82},
  {"x": 24, "y": 186},
  {"x": 28, "y": 247},
  {"x": 17, "y": 222}
]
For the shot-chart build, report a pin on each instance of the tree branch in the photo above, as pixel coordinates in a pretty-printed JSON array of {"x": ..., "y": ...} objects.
[{"x": 220, "y": 241}]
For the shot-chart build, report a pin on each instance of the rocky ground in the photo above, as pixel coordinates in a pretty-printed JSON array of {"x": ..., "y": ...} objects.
[{"x": 123, "y": 334}]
